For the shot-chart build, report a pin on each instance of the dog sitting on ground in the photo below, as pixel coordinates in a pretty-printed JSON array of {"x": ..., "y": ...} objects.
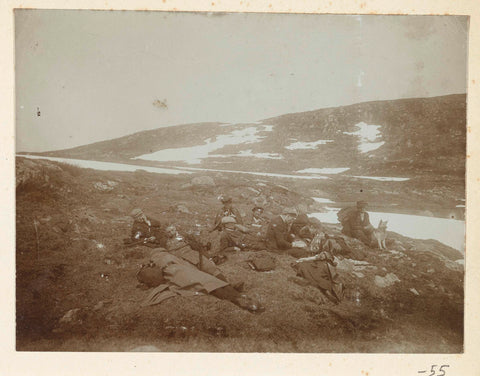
[{"x": 379, "y": 235}]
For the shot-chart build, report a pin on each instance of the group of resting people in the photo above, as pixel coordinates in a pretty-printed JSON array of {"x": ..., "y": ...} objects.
[{"x": 178, "y": 265}]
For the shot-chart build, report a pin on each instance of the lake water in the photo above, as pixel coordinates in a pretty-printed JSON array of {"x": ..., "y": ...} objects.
[
  {"x": 324, "y": 170},
  {"x": 111, "y": 166},
  {"x": 381, "y": 178},
  {"x": 447, "y": 231},
  {"x": 108, "y": 166}
]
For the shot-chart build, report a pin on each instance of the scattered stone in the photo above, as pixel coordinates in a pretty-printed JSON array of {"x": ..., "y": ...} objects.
[
  {"x": 280, "y": 188},
  {"x": 386, "y": 281},
  {"x": 414, "y": 291},
  {"x": 431, "y": 270},
  {"x": 112, "y": 183},
  {"x": 70, "y": 316},
  {"x": 358, "y": 274},
  {"x": 253, "y": 190},
  {"x": 182, "y": 209},
  {"x": 458, "y": 267},
  {"x": 98, "y": 306},
  {"x": 102, "y": 187},
  {"x": 203, "y": 181},
  {"x": 46, "y": 219}
]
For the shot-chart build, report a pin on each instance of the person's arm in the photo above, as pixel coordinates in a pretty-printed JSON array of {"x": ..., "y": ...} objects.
[
  {"x": 280, "y": 238},
  {"x": 238, "y": 217},
  {"x": 226, "y": 244},
  {"x": 135, "y": 229}
]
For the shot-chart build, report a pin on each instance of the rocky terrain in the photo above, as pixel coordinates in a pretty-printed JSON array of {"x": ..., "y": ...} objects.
[{"x": 76, "y": 287}]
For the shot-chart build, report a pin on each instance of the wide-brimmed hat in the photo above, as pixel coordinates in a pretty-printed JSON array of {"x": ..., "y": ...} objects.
[
  {"x": 136, "y": 213},
  {"x": 228, "y": 220},
  {"x": 258, "y": 208},
  {"x": 362, "y": 204},
  {"x": 291, "y": 211}
]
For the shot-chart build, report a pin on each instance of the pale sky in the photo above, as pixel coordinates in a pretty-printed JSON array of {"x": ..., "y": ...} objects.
[{"x": 97, "y": 75}]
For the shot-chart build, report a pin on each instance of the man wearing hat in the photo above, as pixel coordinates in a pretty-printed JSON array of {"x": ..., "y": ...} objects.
[
  {"x": 146, "y": 230},
  {"x": 278, "y": 235},
  {"x": 357, "y": 224},
  {"x": 228, "y": 210}
]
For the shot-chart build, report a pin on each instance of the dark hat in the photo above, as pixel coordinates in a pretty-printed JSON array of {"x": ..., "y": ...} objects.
[{"x": 362, "y": 204}]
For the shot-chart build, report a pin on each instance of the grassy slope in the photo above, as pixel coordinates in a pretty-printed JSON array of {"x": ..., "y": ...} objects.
[{"x": 80, "y": 237}]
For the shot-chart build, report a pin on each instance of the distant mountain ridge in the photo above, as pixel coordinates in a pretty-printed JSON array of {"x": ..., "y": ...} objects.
[{"x": 414, "y": 136}]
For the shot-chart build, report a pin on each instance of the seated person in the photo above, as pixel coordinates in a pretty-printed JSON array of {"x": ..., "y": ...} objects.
[
  {"x": 146, "y": 231},
  {"x": 228, "y": 210},
  {"x": 233, "y": 235},
  {"x": 257, "y": 219},
  {"x": 279, "y": 237},
  {"x": 302, "y": 229},
  {"x": 356, "y": 223},
  {"x": 179, "y": 277}
]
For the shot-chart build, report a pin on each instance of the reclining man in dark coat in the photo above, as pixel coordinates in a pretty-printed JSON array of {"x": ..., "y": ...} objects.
[{"x": 356, "y": 223}]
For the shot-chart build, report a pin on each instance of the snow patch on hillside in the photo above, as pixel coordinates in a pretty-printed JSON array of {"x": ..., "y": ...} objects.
[
  {"x": 368, "y": 135},
  {"x": 195, "y": 154},
  {"x": 307, "y": 145}
]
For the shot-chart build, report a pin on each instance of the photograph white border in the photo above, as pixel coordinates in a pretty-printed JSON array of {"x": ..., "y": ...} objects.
[{"x": 55, "y": 363}]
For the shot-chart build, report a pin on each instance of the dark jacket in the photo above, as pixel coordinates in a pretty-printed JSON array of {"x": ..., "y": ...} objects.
[
  {"x": 300, "y": 227},
  {"x": 278, "y": 234},
  {"x": 355, "y": 221},
  {"x": 141, "y": 230}
]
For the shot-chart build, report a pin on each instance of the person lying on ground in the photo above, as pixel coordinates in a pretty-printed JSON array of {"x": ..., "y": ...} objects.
[
  {"x": 228, "y": 210},
  {"x": 179, "y": 277},
  {"x": 356, "y": 223},
  {"x": 177, "y": 245},
  {"x": 279, "y": 238},
  {"x": 320, "y": 271},
  {"x": 146, "y": 230}
]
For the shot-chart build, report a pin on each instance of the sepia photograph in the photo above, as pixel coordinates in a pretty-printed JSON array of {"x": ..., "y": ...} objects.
[{"x": 220, "y": 182}]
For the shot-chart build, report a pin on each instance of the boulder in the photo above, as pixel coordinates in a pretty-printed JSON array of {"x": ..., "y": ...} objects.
[
  {"x": 102, "y": 187},
  {"x": 386, "y": 281}
]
